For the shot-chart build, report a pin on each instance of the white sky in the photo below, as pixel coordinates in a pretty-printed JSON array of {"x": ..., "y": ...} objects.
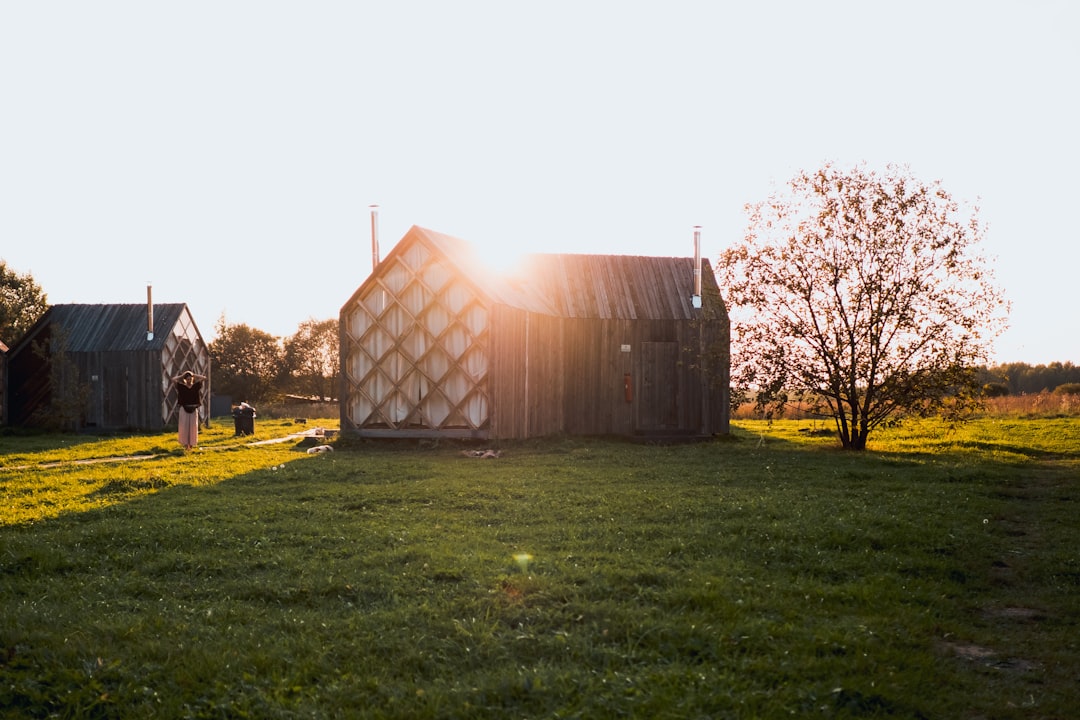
[{"x": 227, "y": 151}]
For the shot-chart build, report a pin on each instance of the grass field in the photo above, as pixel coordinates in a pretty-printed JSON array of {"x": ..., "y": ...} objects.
[{"x": 765, "y": 575}]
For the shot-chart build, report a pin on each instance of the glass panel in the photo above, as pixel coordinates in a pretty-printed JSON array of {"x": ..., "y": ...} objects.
[
  {"x": 361, "y": 409},
  {"x": 359, "y": 364},
  {"x": 409, "y": 391},
  {"x": 395, "y": 321},
  {"x": 359, "y": 321},
  {"x": 436, "y": 275},
  {"x": 377, "y": 342},
  {"x": 395, "y": 366},
  {"x": 395, "y": 278},
  {"x": 475, "y": 409},
  {"x": 475, "y": 363},
  {"x": 456, "y": 385},
  {"x": 415, "y": 343},
  {"x": 375, "y": 300},
  {"x": 456, "y": 297},
  {"x": 476, "y": 319},
  {"x": 415, "y": 256},
  {"x": 435, "y": 320},
  {"x": 378, "y": 387},
  {"x": 435, "y": 408},
  {"x": 396, "y": 408},
  {"x": 414, "y": 298},
  {"x": 456, "y": 341},
  {"x": 435, "y": 364}
]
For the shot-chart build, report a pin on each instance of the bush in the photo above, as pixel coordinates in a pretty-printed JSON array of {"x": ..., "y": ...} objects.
[{"x": 1068, "y": 389}]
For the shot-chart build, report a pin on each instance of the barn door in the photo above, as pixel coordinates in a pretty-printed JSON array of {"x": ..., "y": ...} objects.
[{"x": 657, "y": 396}]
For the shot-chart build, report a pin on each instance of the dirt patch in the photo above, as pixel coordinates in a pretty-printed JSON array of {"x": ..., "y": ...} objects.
[
  {"x": 967, "y": 651},
  {"x": 1025, "y": 614},
  {"x": 986, "y": 656}
]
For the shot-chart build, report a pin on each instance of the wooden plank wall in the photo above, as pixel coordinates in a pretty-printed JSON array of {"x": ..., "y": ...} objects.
[
  {"x": 595, "y": 369},
  {"x": 552, "y": 375},
  {"x": 525, "y": 374},
  {"x": 28, "y": 380},
  {"x": 126, "y": 393}
]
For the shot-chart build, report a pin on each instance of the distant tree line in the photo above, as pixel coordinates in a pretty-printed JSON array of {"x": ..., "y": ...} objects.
[
  {"x": 1019, "y": 378},
  {"x": 250, "y": 364}
]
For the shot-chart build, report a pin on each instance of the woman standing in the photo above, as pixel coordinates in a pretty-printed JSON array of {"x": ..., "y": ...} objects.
[{"x": 189, "y": 388}]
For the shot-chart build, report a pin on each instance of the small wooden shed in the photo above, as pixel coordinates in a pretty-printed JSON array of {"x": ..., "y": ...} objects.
[
  {"x": 432, "y": 344},
  {"x": 117, "y": 360}
]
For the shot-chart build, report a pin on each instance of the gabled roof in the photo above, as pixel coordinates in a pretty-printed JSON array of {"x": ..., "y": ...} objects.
[
  {"x": 573, "y": 286},
  {"x": 625, "y": 287},
  {"x": 468, "y": 265},
  {"x": 109, "y": 328},
  {"x": 500, "y": 288}
]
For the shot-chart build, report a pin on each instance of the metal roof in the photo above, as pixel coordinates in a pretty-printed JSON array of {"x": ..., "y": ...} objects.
[
  {"x": 627, "y": 287},
  {"x": 508, "y": 291},
  {"x": 114, "y": 327},
  {"x": 582, "y": 286}
]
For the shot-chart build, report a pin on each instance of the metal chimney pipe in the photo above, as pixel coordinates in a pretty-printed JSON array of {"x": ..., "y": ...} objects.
[
  {"x": 149, "y": 312},
  {"x": 374, "y": 237},
  {"x": 697, "y": 267}
]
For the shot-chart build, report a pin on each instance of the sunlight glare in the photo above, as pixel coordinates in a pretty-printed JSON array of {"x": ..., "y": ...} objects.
[{"x": 503, "y": 258}]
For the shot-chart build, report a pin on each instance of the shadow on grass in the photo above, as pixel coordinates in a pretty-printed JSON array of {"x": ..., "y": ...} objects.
[{"x": 384, "y": 576}]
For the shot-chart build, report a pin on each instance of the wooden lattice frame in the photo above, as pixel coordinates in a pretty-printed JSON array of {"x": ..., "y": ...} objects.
[
  {"x": 418, "y": 358},
  {"x": 184, "y": 350}
]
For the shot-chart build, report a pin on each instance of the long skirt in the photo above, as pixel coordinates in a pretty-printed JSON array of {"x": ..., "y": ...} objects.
[{"x": 189, "y": 428}]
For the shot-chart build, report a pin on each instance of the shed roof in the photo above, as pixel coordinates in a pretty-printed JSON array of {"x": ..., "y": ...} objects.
[
  {"x": 581, "y": 286},
  {"x": 473, "y": 268},
  {"x": 501, "y": 288},
  {"x": 112, "y": 327},
  {"x": 626, "y": 287}
]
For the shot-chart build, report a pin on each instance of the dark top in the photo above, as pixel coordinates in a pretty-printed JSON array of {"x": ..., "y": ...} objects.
[{"x": 189, "y": 397}]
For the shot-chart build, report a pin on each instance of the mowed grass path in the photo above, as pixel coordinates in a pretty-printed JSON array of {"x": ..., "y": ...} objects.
[{"x": 768, "y": 575}]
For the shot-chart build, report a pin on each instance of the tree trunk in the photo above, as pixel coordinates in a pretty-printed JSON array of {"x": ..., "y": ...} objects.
[{"x": 853, "y": 434}]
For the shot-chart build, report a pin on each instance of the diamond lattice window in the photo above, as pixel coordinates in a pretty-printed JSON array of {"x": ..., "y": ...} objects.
[{"x": 417, "y": 356}]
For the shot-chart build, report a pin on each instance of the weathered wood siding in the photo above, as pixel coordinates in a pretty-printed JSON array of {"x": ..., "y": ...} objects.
[
  {"x": 125, "y": 389},
  {"x": 638, "y": 377},
  {"x": 28, "y": 382},
  {"x": 525, "y": 376},
  {"x": 594, "y": 369}
]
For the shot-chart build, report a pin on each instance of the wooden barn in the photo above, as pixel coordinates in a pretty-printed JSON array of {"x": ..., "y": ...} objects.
[
  {"x": 112, "y": 363},
  {"x": 433, "y": 345}
]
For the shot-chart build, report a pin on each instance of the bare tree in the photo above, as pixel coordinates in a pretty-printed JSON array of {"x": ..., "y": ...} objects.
[{"x": 863, "y": 291}]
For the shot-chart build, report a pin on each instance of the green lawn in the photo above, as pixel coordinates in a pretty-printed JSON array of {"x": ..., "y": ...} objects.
[{"x": 767, "y": 575}]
